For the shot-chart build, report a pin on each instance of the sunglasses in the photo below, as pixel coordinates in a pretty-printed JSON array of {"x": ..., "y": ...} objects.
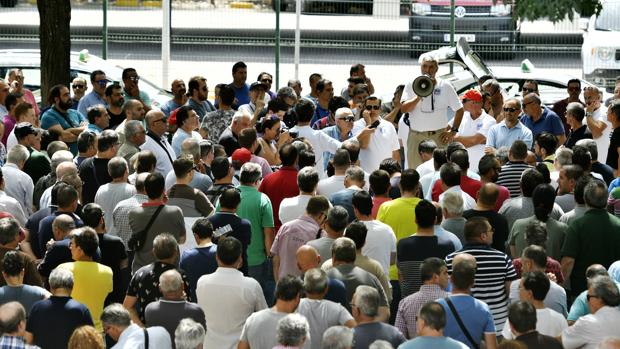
[
  {"x": 267, "y": 80},
  {"x": 373, "y": 107},
  {"x": 134, "y": 78},
  {"x": 525, "y": 89},
  {"x": 78, "y": 86},
  {"x": 102, "y": 82},
  {"x": 348, "y": 119},
  {"x": 511, "y": 110}
]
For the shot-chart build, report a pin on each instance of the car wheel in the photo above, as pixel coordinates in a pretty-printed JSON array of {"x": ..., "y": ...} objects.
[{"x": 8, "y": 3}]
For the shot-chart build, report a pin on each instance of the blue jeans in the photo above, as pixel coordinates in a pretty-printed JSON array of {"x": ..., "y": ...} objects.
[{"x": 263, "y": 273}]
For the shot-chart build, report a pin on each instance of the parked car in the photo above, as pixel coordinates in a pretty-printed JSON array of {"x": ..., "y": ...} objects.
[
  {"x": 600, "y": 52},
  {"x": 469, "y": 67},
  {"x": 82, "y": 64},
  {"x": 485, "y": 24}
]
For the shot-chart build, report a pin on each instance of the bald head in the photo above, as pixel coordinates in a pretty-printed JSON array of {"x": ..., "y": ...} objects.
[
  {"x": 596, "y": 270},
  {"x": 66, "y": 168},
  {"x": 62, "y": 226},
  {"x": 609, "y": 343},
  {"x": 307, "y": 258},
  {"x": 152, "y": 115},
  {"x": 463, "y": 258},
  {"x": 488, "y": 194},
  {"x": 171, "y": 282},
  {"x": 12, "y": 319}
]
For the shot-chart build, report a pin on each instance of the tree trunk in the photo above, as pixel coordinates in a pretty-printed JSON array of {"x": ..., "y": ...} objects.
[{"x": 55, "y": 44}]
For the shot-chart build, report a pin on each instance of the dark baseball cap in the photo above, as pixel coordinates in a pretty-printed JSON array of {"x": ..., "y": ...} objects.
[
  {"x": 258, "y": 84},
  {"x": 24, "y": 129}
]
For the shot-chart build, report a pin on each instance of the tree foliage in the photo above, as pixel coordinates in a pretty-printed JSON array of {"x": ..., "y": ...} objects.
[
  {"x": 555, "y": 10},
  {"x": 55, "y": 43}
]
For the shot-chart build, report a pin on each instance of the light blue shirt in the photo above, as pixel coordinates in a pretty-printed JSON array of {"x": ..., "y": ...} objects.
[
  {"x": 333, "y": 132},
  {"x": 442, "y": 233},
  {"x": 432, "y": 342},
  {"x": 170, "y": 106},
  {"x": 580, "y": 306},
  {"x": 180, "y": 136},
  {"x": 501, "y": 136},
  {"x": 91, "y": 99},
  {"x": 94, "y": 128}
]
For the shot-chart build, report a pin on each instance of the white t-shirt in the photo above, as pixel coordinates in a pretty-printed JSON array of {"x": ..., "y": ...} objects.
[
  {"x": 380, "y": 146},
  {"x": 330, "y": 185},
  {"x": 403, "y": 135},
  {"x": 548, "y": 322},
  {"x": 293, "y": 208},
  {"x": 470, "y": 127},
  {"x": 426, "y": 167},
  {"x": 380, "y": 243},
  {"x": 11, "y": 141},
  {"x": 602, "y": 143},
  {"x": 321, "y": 142},
  {"x": 431, "y": 113}
]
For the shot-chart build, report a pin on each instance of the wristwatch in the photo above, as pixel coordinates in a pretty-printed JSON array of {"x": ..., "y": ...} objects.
[
  {"x": 589, "y": 114},
  {"x": 455, "y": 130}
]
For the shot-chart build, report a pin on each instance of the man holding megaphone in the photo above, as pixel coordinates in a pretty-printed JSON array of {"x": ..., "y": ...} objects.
[{"x": 426, "y": 101}]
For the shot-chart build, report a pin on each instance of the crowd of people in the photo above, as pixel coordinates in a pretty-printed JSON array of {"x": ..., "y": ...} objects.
[{"x": 272, "y": 219}]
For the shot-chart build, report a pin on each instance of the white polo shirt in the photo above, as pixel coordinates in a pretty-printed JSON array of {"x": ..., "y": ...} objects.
[
  {"x": 470, "y": 127},
  {"x": 380, "y": 146},
  {"x": 431, "y": 113},
  {"x": 602, "y": 142}
]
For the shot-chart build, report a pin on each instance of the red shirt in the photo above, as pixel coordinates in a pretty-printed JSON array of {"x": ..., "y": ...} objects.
[
  {"x": 553, "y": 267},
  {"x": 468, "y": 185},
  {"x": 376, "y": 203},
  {"x": 504, "y": 195},
  {"x": 278, "y": 186}
]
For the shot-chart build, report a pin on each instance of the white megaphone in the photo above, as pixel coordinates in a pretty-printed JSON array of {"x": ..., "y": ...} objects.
[{"x": 423, "y": 85}]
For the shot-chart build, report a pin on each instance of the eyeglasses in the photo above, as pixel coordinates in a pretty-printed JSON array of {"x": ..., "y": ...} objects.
[
  {"x": 160, "y": 120},
  {"x": 525, "y": 104},
  {"x": 78, "y": 86},
  {"x": 134, "y": 78},
  {"x": 511, "y": 110},
  {"x": 530, "y": 90},
  {"x": 267, "y": 81},
  {"x": 102, "y": 82},
  {"x": 373, "y": 107},
  {"x": 347, "y": 119}
]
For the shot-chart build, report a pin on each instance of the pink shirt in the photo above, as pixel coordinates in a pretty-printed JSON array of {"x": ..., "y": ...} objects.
[
  {"x": 504, "y": 195},
  {"x": 291, "y": 236},
  {"x": 376, "y": 203}
]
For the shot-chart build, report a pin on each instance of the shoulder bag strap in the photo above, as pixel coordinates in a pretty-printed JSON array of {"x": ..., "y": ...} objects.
[
  {"x": 460, "y": 322},
  {"x": 146, "y": 338}
]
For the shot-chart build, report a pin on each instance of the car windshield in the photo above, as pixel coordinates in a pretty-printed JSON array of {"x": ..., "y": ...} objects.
[{"x": 608, "y": 19}]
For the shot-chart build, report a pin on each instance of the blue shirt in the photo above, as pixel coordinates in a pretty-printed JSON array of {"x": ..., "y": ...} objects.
[
  {"x": 94, "y": 128},
  {"x": 169, "y": 107},
  {"x": 71, "y": 119},
  {"x": 333, "y": 132},
  {"x": 549, "y": 121},
  {"x": 319, "y": 113},
  {"x": 89, "y": 100},
  {"x": 344, "y": 198},
  {"x": 475, "y": 315},
  {"x": 580, "y": 306},
  {"x": 501, "y": 136},
  {"x": 197, "y": 262},
  {"x": 201, "y": 108},
  {"x": 432, "y": 342},
  {"x": 241, "y": 94}
]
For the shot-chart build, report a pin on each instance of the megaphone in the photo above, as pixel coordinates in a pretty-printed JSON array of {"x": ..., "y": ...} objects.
[{"x": 423, "y": 85}]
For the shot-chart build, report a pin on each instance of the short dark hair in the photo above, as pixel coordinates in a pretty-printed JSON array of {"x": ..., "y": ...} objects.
[
  {"x": 522, "y": 316},
  {"x": 110, "y": 89},
  {"x": 66, "y": 195},
  {"x": 353, "y": 147},
  {"x": 425, "y": 214},
  {"x": 337, "y": 218},
  {"x": 440, "y": 157},
  {"x": 450, "y": 174},
  {"x": 247, "y": 137},
  {"x": 615, "y": 109},
  {"x": 390, "y": 166},
  {"x": 336, "y": 103},
  {"x": 92, "y": 214},
  {"x": 220, "y": 167},
  {"x": 13, "y": 263},
  {"x": 518, "y": 149},
  {"x": 10, "y": 101},
  {"x": 452, "y": 147},
  {"x": 409, "y": 180},
  {"x": 379, "y": 182},
  {"x": 96, "y": 111},
  {"x": 227, "y": 95},
  {"x": 321, "y": 84},
  {"x": 543, "y": 199},
  {"x": 86, "y": 140},
  {"x": 431, "y": 266},
  {"x": 230, "y": 198},
  {"x": 304, "y": 110},
  {"x": 54, "y": 93},
  {"x": 238, "y": 66},
  {"x": 461, "y": 158},
  {"x": 341, "y": 159},
  {"x": 182, "y": 166},
  {"x": 154, "y": 185},
  {"x": 538, "y": 283},
  {"x": 582, "y": 157},
  {"x": 579, "y": 189},
  {"x": 307, "y": 179},
  {"x": 94, "y": 74},
  {"x": 203, "y": 228},
  {"x": 228, "y": 250},
  {"x": 362, "y": 201},
  {"x": 289, "y": 287},
  {"x": 126, "y": 72},
  {"x": 317, "y": 205},
  {"x": 427, "y": 146},
  {"x": 306, "y": 158},
  {"x": 194, "y": 83},
  {"x": 530, "y": 179},
  {"x": 183, "y": 114},
  {"x": 146, "y": 161},
  {"x": 434, "y": 315},
  {"x": 547, "y": 141},
  {"x": 474, "y": 227},
  {"x": 357, "y": 231},
  {"x": 536, "y": 254},
  {"x": 288, "y": 154},
  {"x": 106, "y": 140},
  {"x": 86, "y": 239}
]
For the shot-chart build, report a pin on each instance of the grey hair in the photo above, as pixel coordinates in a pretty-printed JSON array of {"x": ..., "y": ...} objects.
[
  {"x": 502, "y": 154},
  {"x": 590, "y": 144},
  {"x": 240, "y": 114},
  {"x": 366, "y": 299},
  {"x": 453, "y": 203},
  {"x": 564, "y": 156},
  {"x": 17, "y": 154},
  {"x": 287, "y": 91},
  {"x": 292, "y": 330},
  {"x": 64, "y": 222},
  {"x": 170, "y": 281},
  {"x": 116, "y": 314},
  {"x": 189, "y": 334},
  {"x": 66, "y": 168},
  {"x": 380, "y": 344},
  {"x": 355, "y": 173},
  {"x": 491, "y": 82},
  {"x": 250, "y": 173},
  {"x": 609, "y": 343},
  {"x": 430, "y": 58},
  {"x": 61, "y": 278},
  {"x": 117, "y": 166},
  {"x": 595, "y": 194},
  {"x": 315, "y": 281},
  {"x": 60, "y": 157},
  {"x": 190, "y": 146},
  {"x": 337, "y": 337},
  {"x": 132, "y": 127},
  {"x": 605, "y": 288}
]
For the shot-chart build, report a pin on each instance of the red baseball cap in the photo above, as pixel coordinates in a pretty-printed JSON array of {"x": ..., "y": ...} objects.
[
  {"x": 242, "y": 155},
  {"x": 472, "y": 95},
  {"x": 172, "y": 119}
]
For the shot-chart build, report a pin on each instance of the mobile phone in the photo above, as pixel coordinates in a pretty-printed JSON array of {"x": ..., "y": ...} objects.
[{"x": 375, "y": 124}]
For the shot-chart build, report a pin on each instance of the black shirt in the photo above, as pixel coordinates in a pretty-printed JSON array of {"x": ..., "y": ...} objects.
[
  {"x": 612, "y": 153},
  {"x": 229, "y": 224},
  {"x": 94, "y": 173},
  {"x": 499, "y": 224},
  {"x": 574, "y": 136},
  {"x": 112, "y": 253},
  {"x": 604, "y": 170},
  {"x": 229, "y": 140},
  {"x": 535, "y": 340},
  {"x": 116, "y": 119}
]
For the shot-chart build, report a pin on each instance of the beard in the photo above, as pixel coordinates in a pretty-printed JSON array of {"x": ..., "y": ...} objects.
[{"x": 65, "y": 105}]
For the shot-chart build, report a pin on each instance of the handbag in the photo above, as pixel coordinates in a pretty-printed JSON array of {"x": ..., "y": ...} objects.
[{"x": 137, "y": 240}]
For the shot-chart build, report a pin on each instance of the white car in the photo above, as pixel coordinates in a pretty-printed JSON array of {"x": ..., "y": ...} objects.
[
  {"x": 82, "y": 64},
  {"x": 600, "y": 52}
]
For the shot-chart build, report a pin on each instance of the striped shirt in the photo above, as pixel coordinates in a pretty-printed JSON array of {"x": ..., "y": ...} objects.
[
  {"x": 409, "y": 307},
  {"x": 510, "y": 176},
  {"x": 494, "y": 268}
]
